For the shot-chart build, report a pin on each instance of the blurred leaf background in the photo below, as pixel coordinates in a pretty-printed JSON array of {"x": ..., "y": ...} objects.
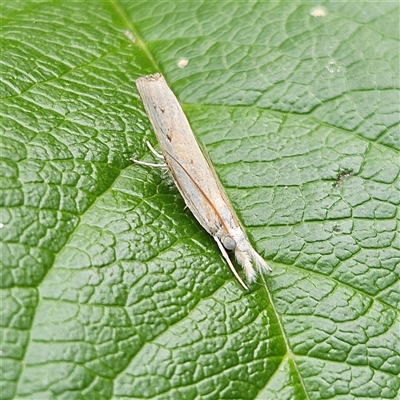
[{"x": 110, "y": 288}]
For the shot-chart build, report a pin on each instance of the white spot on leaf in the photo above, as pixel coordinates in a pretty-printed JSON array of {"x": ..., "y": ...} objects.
[
  {"x": 333, "y": 67},
  {"x": 183, "y": 62},
  {"x": 318, "y": 12},
  {"x": 129, "y": 35}
]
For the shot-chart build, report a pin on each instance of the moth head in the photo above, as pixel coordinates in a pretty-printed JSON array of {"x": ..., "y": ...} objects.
[{"x": 228, "y": 242}]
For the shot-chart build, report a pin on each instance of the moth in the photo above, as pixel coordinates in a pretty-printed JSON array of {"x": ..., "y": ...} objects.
[{"x": 194, "y": 176}]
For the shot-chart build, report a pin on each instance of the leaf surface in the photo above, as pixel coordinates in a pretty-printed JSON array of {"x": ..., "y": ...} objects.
[{"x": 111, "y": 290}]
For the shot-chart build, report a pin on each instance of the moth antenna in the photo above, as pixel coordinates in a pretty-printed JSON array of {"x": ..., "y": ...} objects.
[{"x": 229, "y": 262}]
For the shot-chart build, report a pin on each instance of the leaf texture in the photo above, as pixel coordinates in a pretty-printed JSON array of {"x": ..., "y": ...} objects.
[{"x": 111, "y": 290}]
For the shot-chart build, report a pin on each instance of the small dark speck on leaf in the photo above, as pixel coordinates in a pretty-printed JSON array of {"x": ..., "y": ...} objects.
[{"x": 342, "y": 176}]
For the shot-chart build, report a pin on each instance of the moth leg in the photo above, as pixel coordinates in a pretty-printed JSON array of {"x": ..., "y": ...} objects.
[
  {"x": 161, "y": 165},
  {"x": 229, "y": 262},
  {"x": 148, "y": 164},
  {"x": 153, "y": 150}
]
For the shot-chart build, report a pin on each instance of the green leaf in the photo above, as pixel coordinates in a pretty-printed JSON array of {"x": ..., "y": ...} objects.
[{"x": 111, "y": 289}]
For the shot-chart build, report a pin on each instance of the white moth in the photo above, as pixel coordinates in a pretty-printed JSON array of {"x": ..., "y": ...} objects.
[{"x": 194, "y": 176}]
